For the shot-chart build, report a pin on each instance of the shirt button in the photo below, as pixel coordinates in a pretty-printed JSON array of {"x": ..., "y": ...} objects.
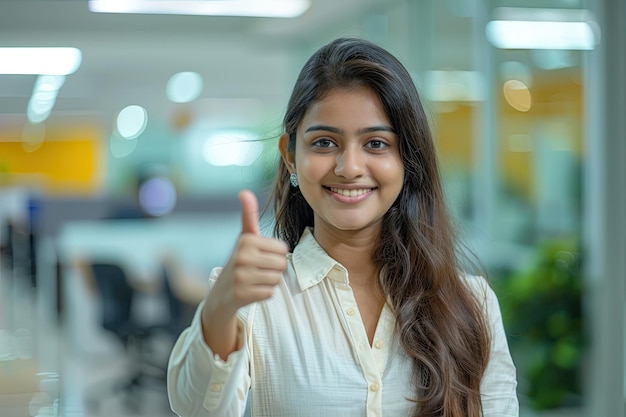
[
  {"x": 374, "y": 387},
  {"x": 216, "y": 387},
  {"x": 379, "y": 344},
  {"x": 350, "y": 312}
]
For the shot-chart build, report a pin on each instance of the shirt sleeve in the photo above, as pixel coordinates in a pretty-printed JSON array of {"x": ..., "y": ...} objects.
[
  {"x": 199, "y": 382},
  {"x": 499, "y": 384}
]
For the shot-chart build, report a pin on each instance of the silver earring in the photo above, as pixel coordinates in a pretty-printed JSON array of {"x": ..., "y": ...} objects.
[{"x": 293, "y": 179}]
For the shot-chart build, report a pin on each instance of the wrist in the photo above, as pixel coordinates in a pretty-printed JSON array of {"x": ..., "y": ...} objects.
[{"x": 219, "y": 330}]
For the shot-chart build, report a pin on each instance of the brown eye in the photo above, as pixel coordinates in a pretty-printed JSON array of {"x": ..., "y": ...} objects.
[
  {"x": 323, "y": 143},
  {"x": 376, "y": 144}
]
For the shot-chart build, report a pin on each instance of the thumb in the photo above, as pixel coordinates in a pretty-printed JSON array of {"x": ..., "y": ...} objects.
[{"x": 249, "y": 212}]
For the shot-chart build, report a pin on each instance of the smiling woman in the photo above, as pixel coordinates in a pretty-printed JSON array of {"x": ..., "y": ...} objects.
[{"x": 358, "y": 303}]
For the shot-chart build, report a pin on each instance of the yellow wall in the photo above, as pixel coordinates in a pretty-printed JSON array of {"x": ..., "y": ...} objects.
[
  {"x": 68, "y": 161},
  {"x": 557, "y": 110}
]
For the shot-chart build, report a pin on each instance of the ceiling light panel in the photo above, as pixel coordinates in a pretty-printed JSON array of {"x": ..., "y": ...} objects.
[
  {"x": 541, "y": 28},
  {"x": 39, "y": 61},
  {"x": 253, "y": 8}
]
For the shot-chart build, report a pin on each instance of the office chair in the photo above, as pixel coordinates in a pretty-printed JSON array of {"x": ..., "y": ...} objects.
[
  {"x": 181, "y": 312},
  {"x": 117, "y": 297}
]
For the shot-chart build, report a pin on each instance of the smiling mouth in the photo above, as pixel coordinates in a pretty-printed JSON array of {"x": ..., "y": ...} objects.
[{"x": 350, "y": 192}]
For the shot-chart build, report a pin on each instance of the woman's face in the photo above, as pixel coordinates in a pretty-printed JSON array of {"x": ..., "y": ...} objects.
[{"x": 347, "y": 160}]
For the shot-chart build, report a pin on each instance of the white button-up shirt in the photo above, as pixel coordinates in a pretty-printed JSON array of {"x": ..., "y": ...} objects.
[{"x": 305, "y": 352}]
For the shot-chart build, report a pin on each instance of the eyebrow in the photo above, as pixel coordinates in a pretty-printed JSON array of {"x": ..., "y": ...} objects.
[{"x": 381, "y": 128}]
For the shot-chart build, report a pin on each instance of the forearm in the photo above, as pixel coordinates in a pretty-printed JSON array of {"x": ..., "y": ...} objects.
[
  {"x": 201, "y": 384},
  {"x": 219, "y": 329}
]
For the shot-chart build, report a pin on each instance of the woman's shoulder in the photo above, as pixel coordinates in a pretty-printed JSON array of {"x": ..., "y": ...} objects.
[
  {"x": 479, "y": 286},
  {"x": 484, "y": 293},
  {"x": 475, "y": 282}
]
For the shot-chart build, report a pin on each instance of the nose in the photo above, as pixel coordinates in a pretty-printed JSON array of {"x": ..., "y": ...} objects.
[{"x": 350, "y": 163}]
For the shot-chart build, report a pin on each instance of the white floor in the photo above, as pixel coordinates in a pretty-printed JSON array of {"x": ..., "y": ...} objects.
[{"x": 44, "y": 372}]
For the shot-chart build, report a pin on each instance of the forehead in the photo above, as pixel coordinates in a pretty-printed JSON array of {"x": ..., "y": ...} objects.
[{"x": 345, "y": 107}]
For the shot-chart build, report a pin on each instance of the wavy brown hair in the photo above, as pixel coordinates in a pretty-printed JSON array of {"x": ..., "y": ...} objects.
[{"x": 440, "y": 323}]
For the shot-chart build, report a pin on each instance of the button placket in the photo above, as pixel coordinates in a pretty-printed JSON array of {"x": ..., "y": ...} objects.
[{"x": 361, "y": 345}]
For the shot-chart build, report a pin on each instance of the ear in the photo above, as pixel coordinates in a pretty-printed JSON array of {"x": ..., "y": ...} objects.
[{"x": 289, "y": 158}]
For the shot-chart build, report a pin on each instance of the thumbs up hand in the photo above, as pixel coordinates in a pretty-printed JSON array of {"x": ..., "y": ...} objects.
[
  {"x": 256, "y": 264},
  {"x": 255, "y": 267}
]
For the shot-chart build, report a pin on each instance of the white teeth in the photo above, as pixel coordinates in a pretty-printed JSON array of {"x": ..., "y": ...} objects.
[{"x": 350, "y": 193}]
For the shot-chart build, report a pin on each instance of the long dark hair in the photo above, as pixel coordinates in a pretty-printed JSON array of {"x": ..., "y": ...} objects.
[{"x": 440, "y": 323}]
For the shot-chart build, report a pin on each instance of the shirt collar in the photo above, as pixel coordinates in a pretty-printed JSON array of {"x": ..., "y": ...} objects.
[{"x": 312, "y": 264}]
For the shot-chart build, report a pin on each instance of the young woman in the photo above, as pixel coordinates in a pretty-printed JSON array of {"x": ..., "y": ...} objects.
[{"x": 358, "y": 306}]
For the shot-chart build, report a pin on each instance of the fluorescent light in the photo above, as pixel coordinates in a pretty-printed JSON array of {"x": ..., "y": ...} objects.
[
  {"x": 542, "y": 28},
  {"x": 509, "y": 34},
  {"x": 254, "y": 8},
  {"x": 37, "y": 61}
]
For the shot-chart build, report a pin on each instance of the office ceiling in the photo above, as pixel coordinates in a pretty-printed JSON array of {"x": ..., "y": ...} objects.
[{"x": 127, "y": 59}]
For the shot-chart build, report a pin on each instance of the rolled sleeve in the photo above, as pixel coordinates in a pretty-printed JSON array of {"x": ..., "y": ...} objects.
[{"x": 200, "y": 383}]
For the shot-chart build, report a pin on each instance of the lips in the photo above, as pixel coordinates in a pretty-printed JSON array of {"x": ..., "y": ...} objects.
[{"x": 353, "y": 192}]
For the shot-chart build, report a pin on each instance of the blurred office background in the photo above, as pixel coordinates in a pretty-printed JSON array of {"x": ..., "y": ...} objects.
[{"x": 122, "y": 155}]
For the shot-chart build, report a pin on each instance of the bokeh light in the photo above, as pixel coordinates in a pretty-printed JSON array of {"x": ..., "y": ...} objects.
[
  {"x": 517, "y": 95},
  {"x": 33, "y": 136},
  {"x": 120, "y": 147},
  {"x": 157, "y": 196},
  {"x": 184, "y": 87},
  {"x": 132, "y": 121},
  {"x": 232, "y": 148}
]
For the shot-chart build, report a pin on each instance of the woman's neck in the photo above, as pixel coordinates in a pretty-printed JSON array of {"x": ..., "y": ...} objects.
[{"x": 351, "y": 249}]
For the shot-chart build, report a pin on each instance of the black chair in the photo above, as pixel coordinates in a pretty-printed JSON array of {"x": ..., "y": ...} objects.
[
  {"x": 181, "y": 313},
  {"x": 117, "y": 295}
]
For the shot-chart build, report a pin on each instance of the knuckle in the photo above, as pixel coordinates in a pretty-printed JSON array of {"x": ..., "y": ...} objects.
[
  {"x": 243, "y": 258},
  {"x": 246, "y": 239},
  {"x": 283, "y": 264},
  {"x": 239, "y": 293},
  {"x": 276, "y": 278},
  {"x": 239, "y": 277},
  {"x": 266, "y": 293}
]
